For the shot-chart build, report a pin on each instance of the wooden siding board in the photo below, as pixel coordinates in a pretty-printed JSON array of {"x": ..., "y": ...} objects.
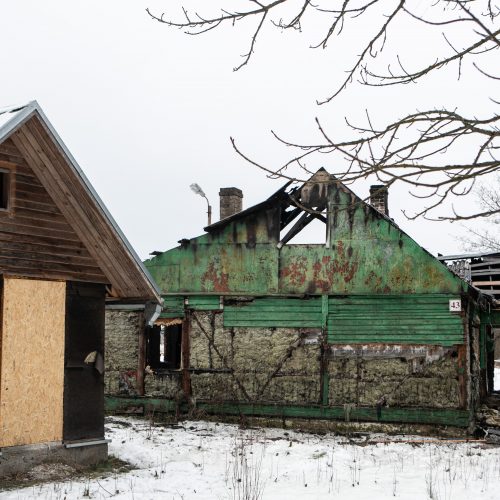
[
  {"x": 40, "y": 244},
  {"x": 457, "y": 418},
  {"x": 275, "y": 312},
  {"x": 205, "y": 302},
  {"x": 91, "y": 224},
  {"x": 48, "y": 253},
  {"x": 394, "y": 319},
  {"x": 173, "y": 307}
]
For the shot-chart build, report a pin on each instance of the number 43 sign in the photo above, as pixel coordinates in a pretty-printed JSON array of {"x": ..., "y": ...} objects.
[{"x": 455, "y": 305}]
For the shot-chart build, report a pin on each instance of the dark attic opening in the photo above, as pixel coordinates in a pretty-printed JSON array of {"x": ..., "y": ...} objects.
[{"x": 305, "y": 212}]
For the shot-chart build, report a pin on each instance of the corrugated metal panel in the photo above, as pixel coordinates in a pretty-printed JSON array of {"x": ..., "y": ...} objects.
[
  {"x": 204, "y": 302},
  {"x": 173, "y": 307},
  {"x": 397, "y": 319},
  {"x": 274, "y": 312}
]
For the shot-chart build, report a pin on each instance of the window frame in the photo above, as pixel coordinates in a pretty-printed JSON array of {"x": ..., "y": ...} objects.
[
  {"x": 9, "y": 170},
  {"x": 156, "y": 340}
]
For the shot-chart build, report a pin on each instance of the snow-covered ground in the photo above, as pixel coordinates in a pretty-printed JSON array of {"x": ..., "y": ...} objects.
[
  {"x": 205, "y": 460},
  {"x": 496, "y": 378}
]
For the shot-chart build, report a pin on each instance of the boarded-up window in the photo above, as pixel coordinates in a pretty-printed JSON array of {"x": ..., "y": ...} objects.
[{"x": 32, "y": 361}]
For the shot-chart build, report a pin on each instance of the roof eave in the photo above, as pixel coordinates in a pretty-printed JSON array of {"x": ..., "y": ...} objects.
[{"x": 18, "y": 120}]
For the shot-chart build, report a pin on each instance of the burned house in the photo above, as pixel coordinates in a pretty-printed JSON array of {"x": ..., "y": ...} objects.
[
  {"x": 364, "y": 326},
  {"x": 482, "y": 270},
  {"x": 62, "y": 258}
]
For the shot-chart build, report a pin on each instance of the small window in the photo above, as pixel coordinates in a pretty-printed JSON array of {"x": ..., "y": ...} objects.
[
  {"x": 4, "y": 189},
  {"x": 164, "y": 347}
]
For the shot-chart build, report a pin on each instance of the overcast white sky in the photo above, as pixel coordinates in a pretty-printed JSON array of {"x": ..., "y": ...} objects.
[{"x": 146, "y": 110}]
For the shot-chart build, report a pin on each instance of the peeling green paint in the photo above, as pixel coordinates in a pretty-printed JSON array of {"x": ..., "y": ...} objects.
[
  {"x": 367, "y": 254},
  {"x": 275, "y": 312},
  {"x": 457, "y": 418},
  {"x": 404, "y": 319}
]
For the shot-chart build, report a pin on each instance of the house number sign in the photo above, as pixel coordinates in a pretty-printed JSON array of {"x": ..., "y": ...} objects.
[{"x": 455, "y": 305}]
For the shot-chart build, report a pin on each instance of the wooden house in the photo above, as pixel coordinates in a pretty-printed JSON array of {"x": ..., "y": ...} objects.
[
  {"x": 482, "y": 270},
  {"x": 364, "y": 326},
  {"x": 62, "y": 258}
]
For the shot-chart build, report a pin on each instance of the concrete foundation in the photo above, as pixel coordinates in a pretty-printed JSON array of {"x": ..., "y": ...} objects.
[{"x": 20, "y": 459}]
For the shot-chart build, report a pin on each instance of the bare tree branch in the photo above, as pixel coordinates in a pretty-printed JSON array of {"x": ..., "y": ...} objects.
[{"x": 418, "y": 150}]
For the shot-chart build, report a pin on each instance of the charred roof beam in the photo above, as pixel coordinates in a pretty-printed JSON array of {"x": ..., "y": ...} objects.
[
  {"x": 287, "y": 217},
  {"x": 301, "y": 223}
]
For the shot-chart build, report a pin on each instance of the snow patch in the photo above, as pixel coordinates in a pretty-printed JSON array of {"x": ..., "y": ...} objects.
[{"x": 206, "y": 460}]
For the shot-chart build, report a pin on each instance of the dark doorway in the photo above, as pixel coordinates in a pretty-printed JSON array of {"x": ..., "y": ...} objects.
[
  {"x": 172, "y": 336},
  {"x": 164, "y": 347},
  {"x": 84, "y": 382}
]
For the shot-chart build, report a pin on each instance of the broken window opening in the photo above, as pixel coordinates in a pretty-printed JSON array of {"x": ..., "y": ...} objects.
[
  {"x": 4, "y": 189},
  {"x": 311, "y": 230},
  {"x": 164, "y": 347}
]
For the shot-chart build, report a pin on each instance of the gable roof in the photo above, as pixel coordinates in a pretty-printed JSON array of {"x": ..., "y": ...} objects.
[
  {"x": 223, "y": 260},
  {"x": 59, "y": 173}
]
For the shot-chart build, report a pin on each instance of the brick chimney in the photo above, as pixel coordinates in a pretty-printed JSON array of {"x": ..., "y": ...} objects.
[
  {"x": 231, "y": 201},
  {"x": 379, "y": 195}
]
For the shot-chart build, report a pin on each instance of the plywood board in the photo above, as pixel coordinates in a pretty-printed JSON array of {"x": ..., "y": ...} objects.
[{"x": 32, "y": 361}]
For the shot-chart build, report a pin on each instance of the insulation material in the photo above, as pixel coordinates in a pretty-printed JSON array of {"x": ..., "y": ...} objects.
[
  {"x": 122, "y": 351},
  {"x": 252, "y": 364},
  {"x": 32, "y": 363},
  {"x": 395, "y": 382}
]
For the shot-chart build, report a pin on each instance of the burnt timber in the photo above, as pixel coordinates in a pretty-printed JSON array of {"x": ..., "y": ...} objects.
[{"x": 365, "y": 326}]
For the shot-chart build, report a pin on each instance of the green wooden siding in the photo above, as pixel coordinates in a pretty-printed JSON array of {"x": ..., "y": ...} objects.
[
  {"x": 458, "y": 418},
  {"x": 367, "y": 254},
  {"x": 495, "y": 317},
  {"x": 274, "y": 312},
  {"x": 173, "y": 307},
  {"x": 204, "y": 302},
  {"x": 397, "y": 319}
]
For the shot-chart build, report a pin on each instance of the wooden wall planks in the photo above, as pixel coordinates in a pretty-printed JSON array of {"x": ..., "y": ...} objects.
[
  {"x": 64, "y": 231},
  {"x": 35, "y": 238},
  {"x": 79, "y": 207}
]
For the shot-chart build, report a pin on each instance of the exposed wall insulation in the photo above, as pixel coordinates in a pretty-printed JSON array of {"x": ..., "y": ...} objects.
[
  {"x": 32, "y": 363},
  {"x": 122, "y": 351},
  {"x": 278, "y": 365}
]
